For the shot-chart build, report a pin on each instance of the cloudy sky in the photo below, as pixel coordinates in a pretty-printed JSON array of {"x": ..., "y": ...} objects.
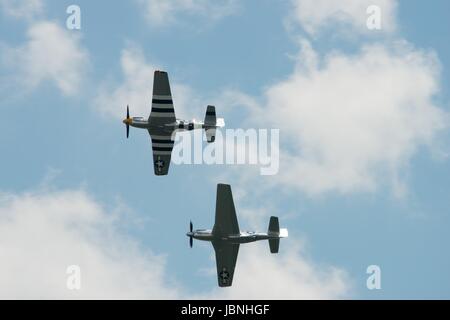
[{"x": 364, "y": 173}]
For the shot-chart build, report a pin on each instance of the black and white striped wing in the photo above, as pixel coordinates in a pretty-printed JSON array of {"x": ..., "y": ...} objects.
[
  {"x": 162, "y": 146},
  {"x": 162, "y": 112}
]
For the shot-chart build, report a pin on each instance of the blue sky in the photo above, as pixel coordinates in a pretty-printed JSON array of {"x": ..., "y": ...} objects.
[{"x": 391, "y": 211}]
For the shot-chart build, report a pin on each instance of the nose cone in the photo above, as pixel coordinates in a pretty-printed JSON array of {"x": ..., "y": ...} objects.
[
  {"x": 127, "y": 121},
  {"x": 190, "y": 234}
]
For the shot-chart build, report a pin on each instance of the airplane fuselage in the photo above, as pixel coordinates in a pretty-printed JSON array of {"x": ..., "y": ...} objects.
[
  {"x": 178, "y": 125},
  {"x": 243, "y": 237}
]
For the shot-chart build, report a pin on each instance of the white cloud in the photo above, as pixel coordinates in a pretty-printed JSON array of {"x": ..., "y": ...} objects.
[
  {"x": 136, "y": 90},
  {"x": 352, "y": 122},
  {"x": 314, "y": 15},
  {"x": 26, "y": 9},
  {"x": 41, "y": 234},
  {"x": 162, "y": 13},
  {"x": 286, "y": 275},
  {"x": 50, "y": 54},
  {"x": 44, "y": 232}
]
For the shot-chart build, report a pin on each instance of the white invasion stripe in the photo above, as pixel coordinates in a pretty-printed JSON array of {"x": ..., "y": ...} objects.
[
  {"x": 162, "y": 105},
  {"x": 159, "y": 137},
  {"x": 162, "y": 153},
  {"x": 162, "y": 97},
  {"x": 162, "y": 114},
  {"x": 162, "y": 145}
]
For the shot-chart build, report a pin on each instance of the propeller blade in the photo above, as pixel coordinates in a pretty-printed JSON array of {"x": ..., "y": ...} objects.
[
  {"x": 126, "y": 123},
  {"x": 191, "y": 240}
]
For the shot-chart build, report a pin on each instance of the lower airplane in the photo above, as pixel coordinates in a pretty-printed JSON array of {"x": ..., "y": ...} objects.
[
  {"x": 162, "y": 124},
  {"x": 226, "y": 237}
]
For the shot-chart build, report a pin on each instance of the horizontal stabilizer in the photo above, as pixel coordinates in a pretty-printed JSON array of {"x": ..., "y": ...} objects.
[
  {"x": 210, "y": 116},
  {"x": 210, "y": 123},
  {"x": 274, "y": 225},
  {"x": 274, "y": 245},
  {"x": 210, "y": 134}
]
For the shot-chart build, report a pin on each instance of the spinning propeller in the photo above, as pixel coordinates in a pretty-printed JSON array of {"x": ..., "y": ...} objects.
[
  {"x": 127, "y": 121},
  {"x": 191, "y": 240}
]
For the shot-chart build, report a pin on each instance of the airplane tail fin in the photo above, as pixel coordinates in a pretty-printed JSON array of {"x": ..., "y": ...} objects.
[
  {"x": 277, "y": 233},
  {"x": 211, "y": 123}
]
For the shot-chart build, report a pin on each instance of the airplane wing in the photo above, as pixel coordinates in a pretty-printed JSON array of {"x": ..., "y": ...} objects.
[
  {"x": 226, "y": 257},
  {"x": 162, "y": 146},
  {"x": 162, "y": 105},
  {"x": 226, "y": 222}
]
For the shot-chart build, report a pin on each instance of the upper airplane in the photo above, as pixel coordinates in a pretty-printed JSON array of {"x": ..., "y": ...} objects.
[
  {"x": 226, "y": 237},
  {"x": 162, "y": 124}
]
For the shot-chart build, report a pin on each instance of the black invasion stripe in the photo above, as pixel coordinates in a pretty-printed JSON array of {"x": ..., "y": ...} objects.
[
  {"x": 163, "y": 110},
  {"x": 162, "y": 148},
  {"x": 210, "y": 113},
  {"x": 162, "y": 101},
  {"x": 161, "y": 141}
]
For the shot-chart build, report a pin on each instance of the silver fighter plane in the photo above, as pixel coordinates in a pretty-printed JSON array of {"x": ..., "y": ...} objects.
[
  {"x": 226, "y": 237},
  {"x": 162, "y": 124}
]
